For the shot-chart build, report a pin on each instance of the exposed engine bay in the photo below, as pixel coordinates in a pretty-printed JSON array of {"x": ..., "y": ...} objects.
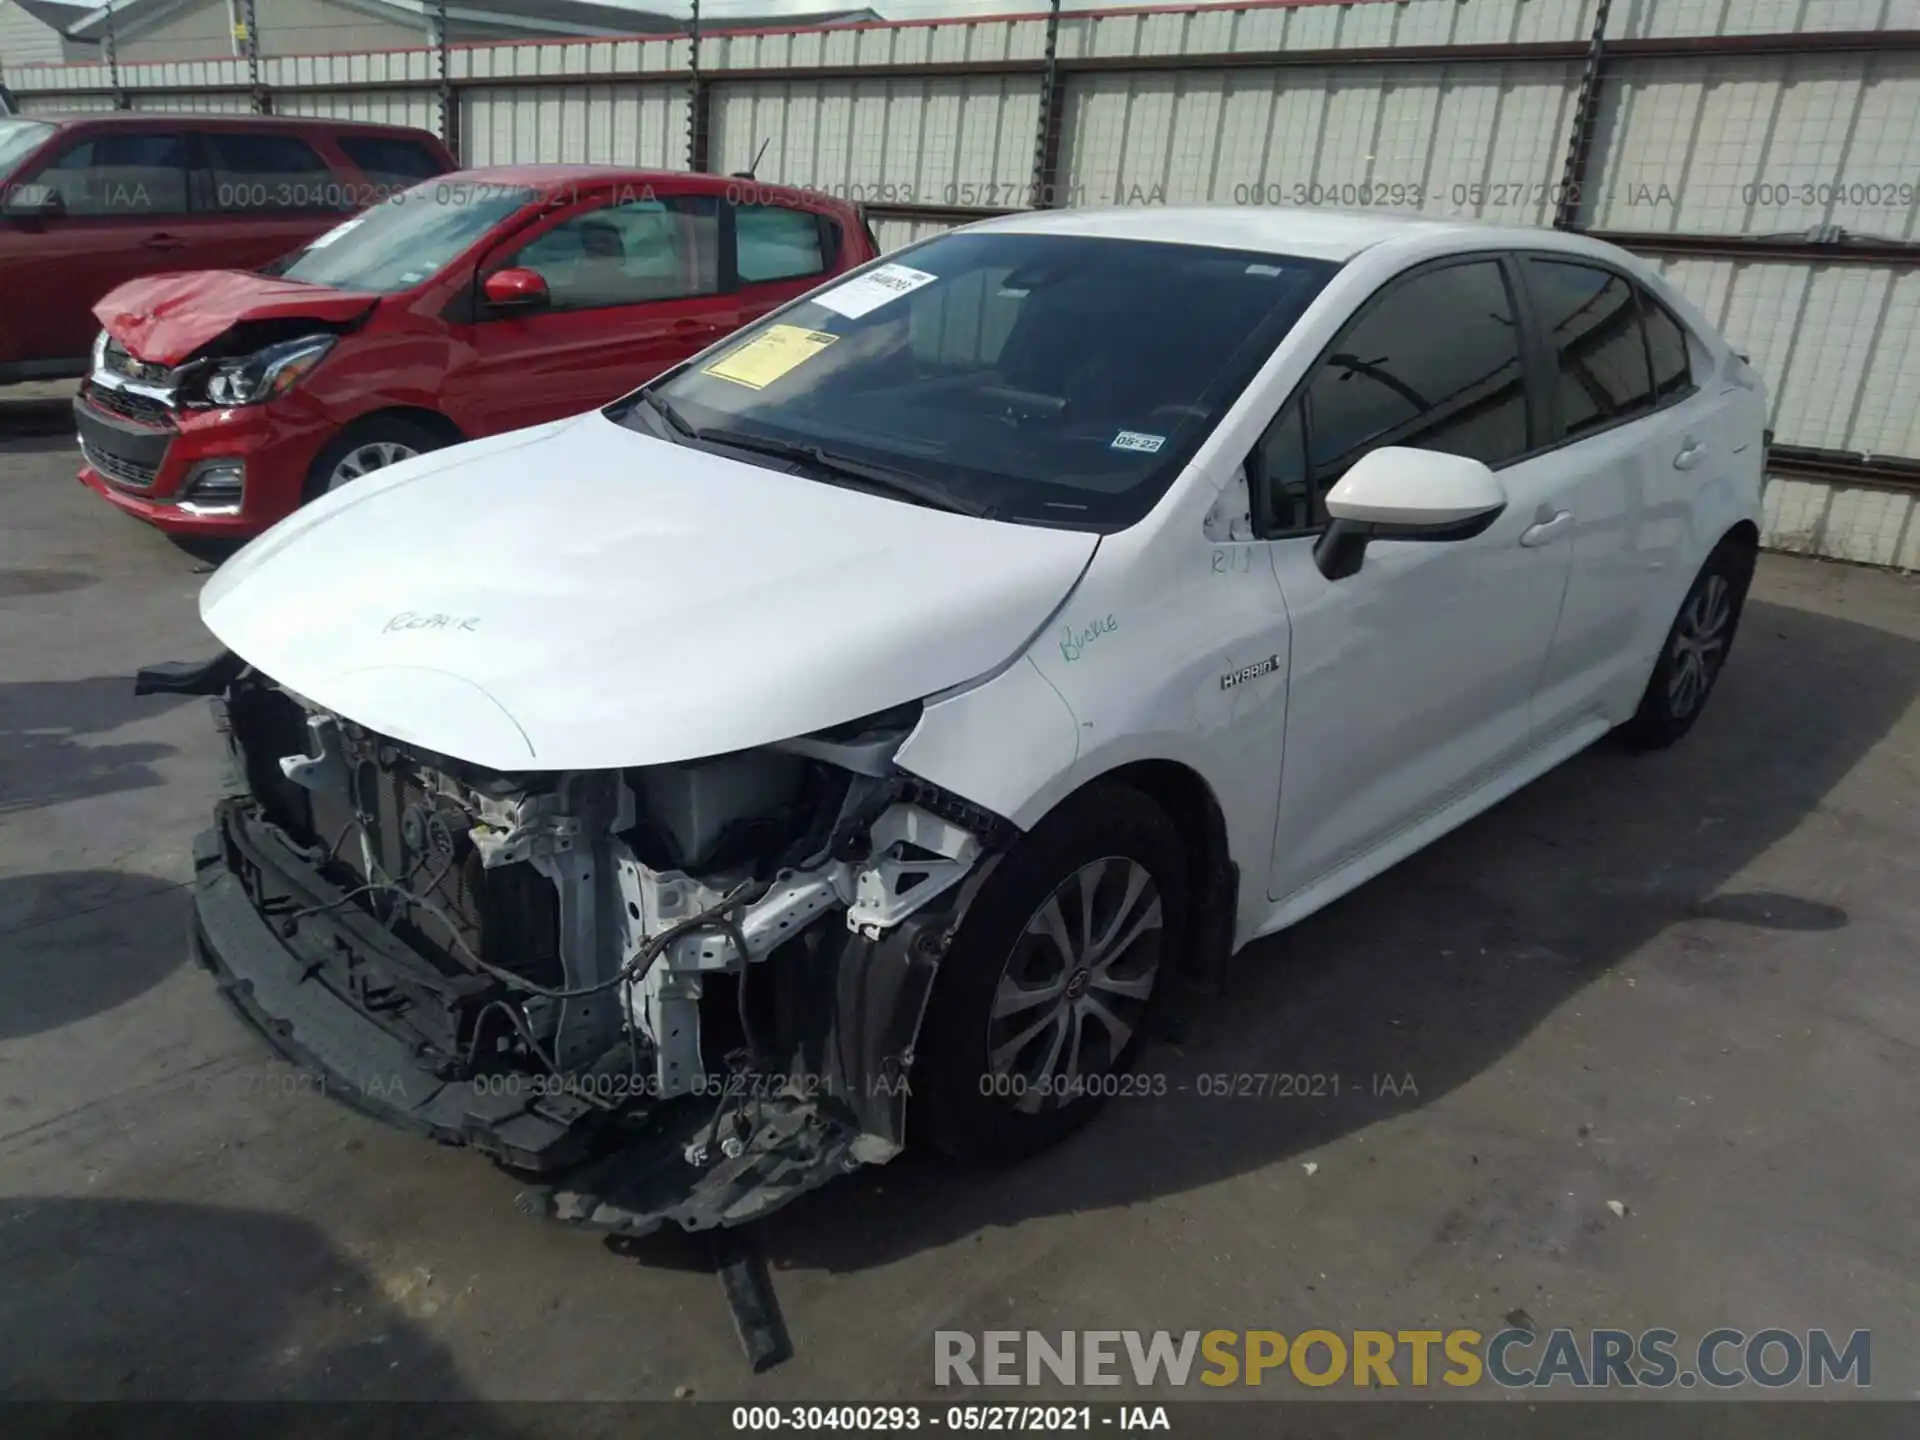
[{"x": 683, "y": 992}]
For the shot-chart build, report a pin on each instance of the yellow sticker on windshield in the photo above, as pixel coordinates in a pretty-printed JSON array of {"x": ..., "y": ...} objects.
[{"x": 769, "y": 355}]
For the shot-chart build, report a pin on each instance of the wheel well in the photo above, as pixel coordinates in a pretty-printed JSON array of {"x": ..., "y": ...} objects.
[
  {"x": 1746, "y": 535},
  {"x": 1213, "y": 882},
  {"x": 440, "y": 425}
]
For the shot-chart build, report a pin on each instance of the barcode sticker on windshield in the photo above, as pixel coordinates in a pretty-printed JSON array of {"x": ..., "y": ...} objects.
[
  {"x": 870, "y": 291},
  {"x": 1134, "y": 440}
]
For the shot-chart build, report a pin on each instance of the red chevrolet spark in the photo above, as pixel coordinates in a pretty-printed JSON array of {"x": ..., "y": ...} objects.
[{"x": 485, "y": 300}]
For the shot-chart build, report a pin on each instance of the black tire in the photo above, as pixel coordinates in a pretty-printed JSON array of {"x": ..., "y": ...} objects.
[
  {"x": 1695, "y": 650},
  {"x": 960, "y": 1108},
  {"x": 375, "y": 430}
]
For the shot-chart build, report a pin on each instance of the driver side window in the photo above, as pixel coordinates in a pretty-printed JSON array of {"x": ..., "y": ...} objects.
[
  {"x": 1433, "y": 363},
  {"x": 628, "y": 254}
]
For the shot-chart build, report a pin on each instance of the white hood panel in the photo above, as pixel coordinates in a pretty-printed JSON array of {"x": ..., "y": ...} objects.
[{"x": 579, "y": 596}]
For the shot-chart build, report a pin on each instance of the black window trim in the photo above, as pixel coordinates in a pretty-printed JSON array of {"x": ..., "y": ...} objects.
[
  {"x": 1533, "y": 378},
  {"x": 1642, "y": 297}
]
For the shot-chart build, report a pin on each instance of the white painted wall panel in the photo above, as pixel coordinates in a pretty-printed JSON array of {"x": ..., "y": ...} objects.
[
  {"x": 1472, "y": 140},
  {"x": 1839, "y": 346},
  {"x": 894, "y": 234},
  {"x": 940, "y": 141},
  {"x": 418, "y": 108},
  {"x": 630, "y": 124},
  {"x": 1646, "y": 18},
  {"x": 1761, "y": 145},
  {"x": 1839, "y": 522}
]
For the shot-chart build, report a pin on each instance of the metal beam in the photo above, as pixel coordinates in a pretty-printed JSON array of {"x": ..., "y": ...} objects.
[
  {"x": 1831, "y": 467},
  {"x": 1586, "y": 116},
  {"x": 1568, "y": 51},
  {"x": 1046, "y": 141}
]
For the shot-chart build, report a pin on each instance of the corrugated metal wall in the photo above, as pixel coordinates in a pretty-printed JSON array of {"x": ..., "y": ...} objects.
[{"x": 930, "y": 121}]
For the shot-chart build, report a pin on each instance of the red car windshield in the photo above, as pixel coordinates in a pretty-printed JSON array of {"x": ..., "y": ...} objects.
[{"x": 404, "y": 242}]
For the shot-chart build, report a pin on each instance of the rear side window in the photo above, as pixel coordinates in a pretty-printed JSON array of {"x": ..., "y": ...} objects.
[
  {"x": 121, "y": 174},
  {"x": 773, "y": 243},
  {"x": 391, "y": 162},
  {"x": 271, "y": 172},
  {"x": 1667, "y": 348},
  {"x": 1592, "y": 319}
]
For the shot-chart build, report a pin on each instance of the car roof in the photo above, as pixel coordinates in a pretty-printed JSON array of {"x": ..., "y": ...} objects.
[
  {"x": 129, "y": 119},
  {"x": 547, "y": 178},
  {"x": 1313, "y": 234}
]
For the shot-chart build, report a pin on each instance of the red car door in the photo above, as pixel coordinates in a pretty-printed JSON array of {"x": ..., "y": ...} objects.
[
  {"x": 779, "y": 253},
  {"x": 632, "y": 287},
  {"x": 122, "y": 206}
]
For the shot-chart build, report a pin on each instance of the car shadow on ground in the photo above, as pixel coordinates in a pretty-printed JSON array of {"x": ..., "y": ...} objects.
[
  {"x": 45, "y": 757},
  {"x": 146, "y": 1300},
  {"x": 36, "y": 418},
  {"x": 76, "y": 943},
  {"x": 1439, "y": 968}
]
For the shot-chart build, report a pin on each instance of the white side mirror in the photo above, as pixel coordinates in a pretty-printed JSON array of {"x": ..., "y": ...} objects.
[
  {"x": 1400, "y": 494},
  {"x": 1415, "y": 489}
]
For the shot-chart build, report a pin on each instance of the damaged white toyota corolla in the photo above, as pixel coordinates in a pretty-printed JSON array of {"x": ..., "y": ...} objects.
[{"x": 853, "y": 736}]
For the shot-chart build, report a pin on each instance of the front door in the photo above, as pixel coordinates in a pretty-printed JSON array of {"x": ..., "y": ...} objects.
[
  {"x": 122, "y": 213},
  {"x": 1410, "y": 680},
  {"x": 634, "y": 287}
]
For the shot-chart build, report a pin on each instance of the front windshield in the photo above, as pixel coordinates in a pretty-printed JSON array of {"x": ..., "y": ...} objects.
[
  {"x": 1057, "y": 379},
  {"x": 17, "y": 137},
  {"x": 403, "y": 242}
]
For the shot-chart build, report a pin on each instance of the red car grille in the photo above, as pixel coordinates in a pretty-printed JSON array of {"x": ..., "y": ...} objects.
[{"x": 139, "y": 408}]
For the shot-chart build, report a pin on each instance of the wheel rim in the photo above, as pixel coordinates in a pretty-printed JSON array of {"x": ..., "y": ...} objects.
[
  {"x": 365, "y": 459},
  {"x": 1699, "y": 645},
  {"x": 1076, "y": 985}
]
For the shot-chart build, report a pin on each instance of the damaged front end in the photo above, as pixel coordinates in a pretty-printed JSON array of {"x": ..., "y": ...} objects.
[{"x": 683, "y": 992}]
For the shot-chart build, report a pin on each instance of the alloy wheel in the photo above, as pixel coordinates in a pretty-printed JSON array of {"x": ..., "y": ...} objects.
[
  {"x": 365, "y": 459},
  {"x": 1076, "y": 985},
  {"x": 1699, "y": 645}
]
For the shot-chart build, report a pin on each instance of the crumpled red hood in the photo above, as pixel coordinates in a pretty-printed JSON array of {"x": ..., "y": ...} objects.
[{"x": 165, "y": 318}]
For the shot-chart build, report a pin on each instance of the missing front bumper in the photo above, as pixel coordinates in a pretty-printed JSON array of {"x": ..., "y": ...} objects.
[{"x": 851, "y": 1009}]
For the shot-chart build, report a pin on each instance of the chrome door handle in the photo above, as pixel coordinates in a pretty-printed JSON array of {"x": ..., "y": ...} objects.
[
  {"x": 1691, "y": 454},
  {"x": 1543, "y": 532}
]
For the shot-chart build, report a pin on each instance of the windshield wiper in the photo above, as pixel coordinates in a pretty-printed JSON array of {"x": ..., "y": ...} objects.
[
  {"x": 900, "y": 483},
  {"x": 664, "y": 409}
]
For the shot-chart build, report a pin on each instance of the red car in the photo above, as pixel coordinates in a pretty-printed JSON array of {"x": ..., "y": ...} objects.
[
  {"x": 88, "y": 202},
  {"x": 487, "y": 300}
]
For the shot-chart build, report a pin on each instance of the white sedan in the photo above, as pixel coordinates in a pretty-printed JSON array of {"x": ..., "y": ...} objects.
[{"x": 846, "y": 738}]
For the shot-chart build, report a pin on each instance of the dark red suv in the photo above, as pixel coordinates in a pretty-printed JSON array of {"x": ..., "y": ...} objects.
[
  {"x": 90, "y": 201},
  {"x": 484, "y": 301}
]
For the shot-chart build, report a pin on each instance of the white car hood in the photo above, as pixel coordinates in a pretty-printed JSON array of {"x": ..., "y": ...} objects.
[{"x": 580, "y": 596}]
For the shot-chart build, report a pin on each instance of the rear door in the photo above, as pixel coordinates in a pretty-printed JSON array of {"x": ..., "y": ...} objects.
[
  {"x": 124, "y": 198},
  {"x": 635, "y": 286},
  {"x": 261, "y": 193},
  {"x": 1625, "y": 447}
]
